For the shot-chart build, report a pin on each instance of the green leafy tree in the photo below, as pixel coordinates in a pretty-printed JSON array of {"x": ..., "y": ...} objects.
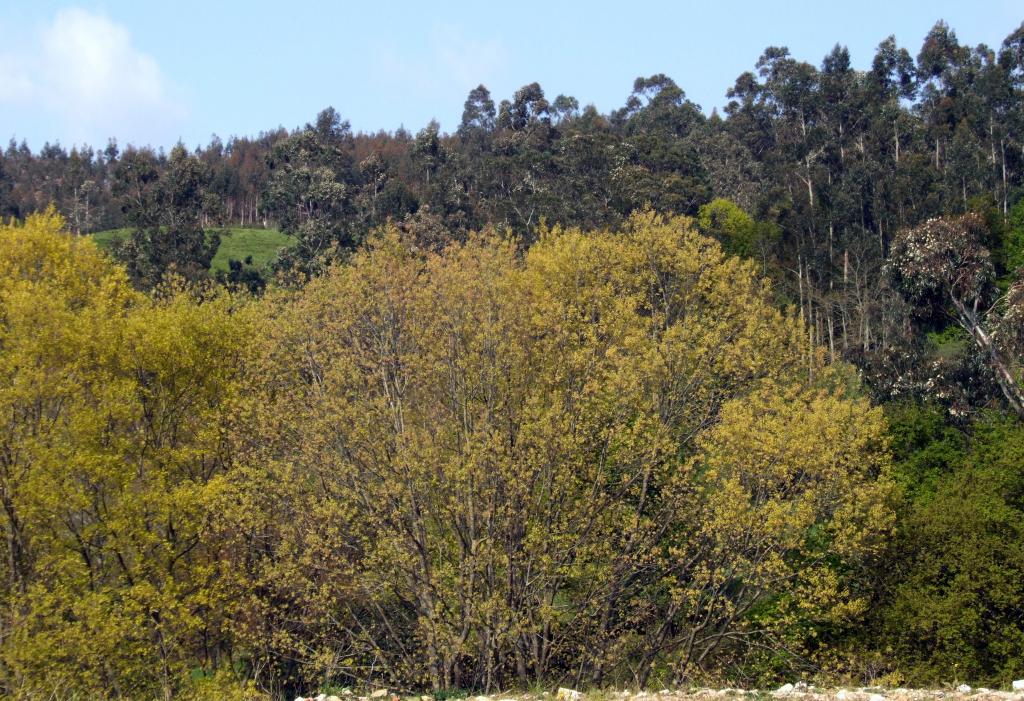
[
  {"x": 955, "y": 573},
  {"x": 738, "y": 233},
  {"x": 164, "y": 204},
  {"x": 311, "y": 190}
]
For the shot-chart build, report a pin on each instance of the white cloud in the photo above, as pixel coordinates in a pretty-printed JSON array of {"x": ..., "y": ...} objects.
[{"x": 83, "y": 73}]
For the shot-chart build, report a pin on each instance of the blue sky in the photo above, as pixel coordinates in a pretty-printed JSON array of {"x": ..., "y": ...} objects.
[{"x": 149, "y": 72}]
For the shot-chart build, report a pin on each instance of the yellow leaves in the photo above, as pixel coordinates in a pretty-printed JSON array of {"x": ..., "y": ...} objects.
[
  {"x": 506, "y": 437},
  {"x": 39, "y": 254},
  {"x": 795, "y": 478},
  {"x": 424, "y": 461},
  {"x": 790, "y": 434},
  {"x": 117, "y": 446}
]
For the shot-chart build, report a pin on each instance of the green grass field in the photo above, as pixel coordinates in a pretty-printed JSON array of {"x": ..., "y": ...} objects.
[
  {"x": 106, "y": 239},
  {"x": 235, "y": 242},
  {"x": 262, "y": 244}
]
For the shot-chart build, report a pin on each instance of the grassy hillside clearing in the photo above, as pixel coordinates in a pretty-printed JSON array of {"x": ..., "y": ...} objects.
[{"x": 235, "y": 242}]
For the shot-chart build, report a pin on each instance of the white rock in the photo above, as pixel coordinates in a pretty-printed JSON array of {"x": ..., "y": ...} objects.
[
  {"x": 379, "y": 694},
  {"x": 842, "y": 695},
  {"x": 784, "y": 690},
  {"x": 964, "y": 689},
  {"x": 568, "y": 695},
  {"x": 1017, "y": 685},
  {"x": 332, "y": 697},
  {"x": 876, "y": 697},
  {"x": 320, "y": 697},
  {"x": 426, "y": 698}
]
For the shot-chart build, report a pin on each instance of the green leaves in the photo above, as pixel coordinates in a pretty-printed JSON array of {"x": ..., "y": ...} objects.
[
  {"x": 166, "y": 204},
  {"x": 957, "y": 588}
]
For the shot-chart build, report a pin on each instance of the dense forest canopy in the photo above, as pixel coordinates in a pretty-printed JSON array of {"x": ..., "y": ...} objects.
[
  {"x": 811, "y": 170},
  {"x": 646, "y": 397}
]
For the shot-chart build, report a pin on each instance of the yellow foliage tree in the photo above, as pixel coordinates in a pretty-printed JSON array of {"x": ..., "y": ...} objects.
[
  {"x": 603, "y": 458},
  {"x": 484, "y": 466},
  {"x": 113, "y": 457}
]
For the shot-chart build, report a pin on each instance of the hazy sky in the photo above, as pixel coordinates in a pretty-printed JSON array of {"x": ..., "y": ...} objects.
[{"x": 150, "y": 72}]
